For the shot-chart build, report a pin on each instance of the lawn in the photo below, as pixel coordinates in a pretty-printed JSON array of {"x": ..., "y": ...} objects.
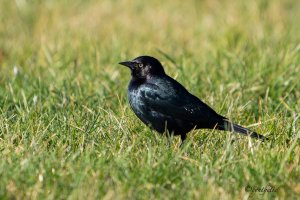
[{"x": 66, "y": 129}]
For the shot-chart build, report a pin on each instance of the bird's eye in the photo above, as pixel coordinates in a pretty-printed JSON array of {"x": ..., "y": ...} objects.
[{"x": 140, "y": 65}]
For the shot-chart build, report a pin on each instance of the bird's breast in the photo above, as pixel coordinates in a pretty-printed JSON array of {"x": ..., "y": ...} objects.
[{"x": 136, "y": 102}]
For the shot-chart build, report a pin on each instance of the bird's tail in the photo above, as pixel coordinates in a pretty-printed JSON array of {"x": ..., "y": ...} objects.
[{"x": 229, "y": 126}]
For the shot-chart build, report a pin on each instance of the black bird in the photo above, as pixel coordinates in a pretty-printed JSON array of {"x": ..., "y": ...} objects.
[{"x": 165, "y": 105}]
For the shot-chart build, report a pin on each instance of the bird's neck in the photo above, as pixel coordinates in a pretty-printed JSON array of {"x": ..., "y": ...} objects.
[{"x": 135, "y": 82}]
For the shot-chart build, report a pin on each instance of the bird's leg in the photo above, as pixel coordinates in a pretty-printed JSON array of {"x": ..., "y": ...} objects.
[
  {"x": 232, "y": 141},
  {"x": 170, "y": 137},
  {"x": 183, "y": 137}
]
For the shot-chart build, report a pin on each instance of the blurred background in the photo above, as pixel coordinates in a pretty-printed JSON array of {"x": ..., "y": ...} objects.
[
  {"x": 222, "y": 39},
  {"x": 46, "y": 37},
  {"x": 231, "y": 44}
]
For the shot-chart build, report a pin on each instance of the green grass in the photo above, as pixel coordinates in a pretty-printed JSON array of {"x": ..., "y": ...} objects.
[{"x": 66, "y": 129}]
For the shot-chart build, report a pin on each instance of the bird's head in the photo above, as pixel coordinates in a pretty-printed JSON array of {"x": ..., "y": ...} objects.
[{"x": 143, "y": 67}]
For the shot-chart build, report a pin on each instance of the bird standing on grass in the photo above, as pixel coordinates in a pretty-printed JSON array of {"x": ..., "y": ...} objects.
[{"x": 165, "y": 105}]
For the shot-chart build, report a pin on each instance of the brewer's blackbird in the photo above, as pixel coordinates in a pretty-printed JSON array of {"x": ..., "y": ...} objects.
[{"x": 165, "y": 105}]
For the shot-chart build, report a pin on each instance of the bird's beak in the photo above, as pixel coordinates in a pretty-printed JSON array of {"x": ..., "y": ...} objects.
[{"x": 127, "y": 64}]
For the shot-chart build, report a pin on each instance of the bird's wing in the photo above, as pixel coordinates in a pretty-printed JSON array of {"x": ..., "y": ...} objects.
[{"x": 175, "y": 101}]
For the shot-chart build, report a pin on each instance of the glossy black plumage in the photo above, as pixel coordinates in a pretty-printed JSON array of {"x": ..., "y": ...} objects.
[{"x": 164, "y": 104}]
